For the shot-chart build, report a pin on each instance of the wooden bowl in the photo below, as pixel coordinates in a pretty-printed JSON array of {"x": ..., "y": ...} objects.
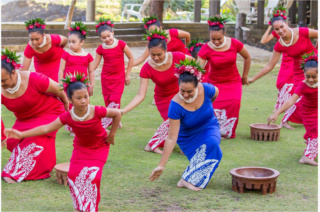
[
  {"x": 262, "y": 178},
  {"x": 265, "y": 132},
  {"x": 62, "y": 170}
]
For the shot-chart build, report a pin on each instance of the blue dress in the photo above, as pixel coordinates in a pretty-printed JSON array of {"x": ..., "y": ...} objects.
[{"x": 199, "y": 138}]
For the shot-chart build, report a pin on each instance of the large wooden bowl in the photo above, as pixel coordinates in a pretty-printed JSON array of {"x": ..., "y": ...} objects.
[
  {"x": 62, "y": 170},
  {"x": 260, "y": 178},
  {"x": 265, "y": 132}
]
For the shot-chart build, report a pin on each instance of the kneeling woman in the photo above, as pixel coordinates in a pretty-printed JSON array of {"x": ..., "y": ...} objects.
[
  {"x": 91, "y": 143},
  {"x": 194, "y": 126}
]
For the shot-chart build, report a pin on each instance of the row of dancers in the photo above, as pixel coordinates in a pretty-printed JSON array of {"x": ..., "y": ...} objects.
[{"x": 196, "y": 114}]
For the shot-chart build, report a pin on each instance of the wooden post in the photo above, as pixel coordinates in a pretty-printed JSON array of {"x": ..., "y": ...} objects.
[
  {"x": 70, "y": 14},
  {"x": 302, "y": 11},
  {"x": 91, "y": 10},
  {"x": 156, "y": 8},
  {"x": 260, "y": 21},
  {"x": 240, "y": 22},
  {"x": 197, "y": 10},
  {"x": 293, "y": 12},
  {"x": 313, "y": 13},
  {"x": 214, "y": 8}
]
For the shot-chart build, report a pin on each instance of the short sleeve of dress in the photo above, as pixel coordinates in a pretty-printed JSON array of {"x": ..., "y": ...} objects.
[
  {"x": 122, "y": 44},
  {"x": 100, "y": 111},
  {"x": 65, "y": 56},
  {"x": 304, "y": 32},
  {"x": 65, "y": 117},
  {"x": 175, "y": 111},
  {"x": 237, "y": 44},
  {"x": 28, "y": 52},
  {"x": 277, "y": 47},
  {"x": 275, "y": 35},
  {"x": 203, "y": 52},
  {"x": 300, "y": 88},
  {"x": 209, "y": 90},
  {"x": 144, "y": 73},
  {"x": 99, "y": 50},
  {"x": 55, "y": 39},
  {"x": 90, "y": 58},
  {"x": 39, "y": 81},
  {"x": 3, "y": 135},
  {"x": 173, "y": 32}
]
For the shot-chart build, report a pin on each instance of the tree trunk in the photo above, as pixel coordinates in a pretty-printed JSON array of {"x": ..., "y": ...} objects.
[
  {"x": 240, "y": 22},
  {"x": 70, "y": 14},
  {"x": 197, "y": 10},
  {"x": 156, "y": 8},
  {"x": 91, "y": 10}
]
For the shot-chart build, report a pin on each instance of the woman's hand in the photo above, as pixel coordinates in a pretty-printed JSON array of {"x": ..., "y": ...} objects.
[
  {"x": 66, "y": 105},
  {"x": 156, "y": 173},
  {"x": 245, "y": 81},
  {"x": 91, "y": 91},
  {"x": 273, "y": 118},
  {"x": 12, "y": 133},
  {"x": 127, "y": 79},
  {"x": 250, "y": 81},
  {"x": 110, "y": 139}
]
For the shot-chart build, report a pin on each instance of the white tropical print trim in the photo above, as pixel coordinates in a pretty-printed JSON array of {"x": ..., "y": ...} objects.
[
  {"x": 83, "y": 192},
  {"x": 312, "y": 148},
  {"x": 290, "y": 111},
  {"x": 107, "y": 121},
  {"x": 226, "y": 125},
  {"x": 160, "y": 135},
  {"x": 199, "y": 170},
  {"x": 21, "y": 162}
]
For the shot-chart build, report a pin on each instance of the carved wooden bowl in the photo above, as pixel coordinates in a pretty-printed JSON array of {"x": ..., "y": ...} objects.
[
  {"x": 260, "y": 178},
  {"x": 265, "y": 132},
  {"x": 62, "y": 173}
]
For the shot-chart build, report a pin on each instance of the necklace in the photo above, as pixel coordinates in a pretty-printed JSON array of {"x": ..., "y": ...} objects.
[
  {"x": 189, "y": 100},
  {"x": 79, "y": 54},
  {"x": 16, "y": 87},
  {"x": 43, "y": 43},
  {"x": 163, "y": 62},
  {"x": 222, "y": 45},
  {"x": 312, "y": 86},
  {"x": 115, "y": 43},
  {"x": 83, "y": 117},
  {"x": 287, "y": 45}
]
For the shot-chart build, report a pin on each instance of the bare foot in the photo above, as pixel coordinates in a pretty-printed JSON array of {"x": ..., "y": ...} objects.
[
  {"x": 120, "y": 125},
  {"x": 158, "y": 151},
  {"x": 75, "y": 210},
  {"x": 9, "y": 180},
  {"x": 147, "y": 148},
  {"x": 306, "y": 160},
  {"x": 286, "y": 125},
  {"x": 72, "y": 134},
  {"x": 184, "y": 184},
  {"x": 223, "y": 138},
  {"x": 181, "y": 152},
  {"x": 3, "y": 143}
]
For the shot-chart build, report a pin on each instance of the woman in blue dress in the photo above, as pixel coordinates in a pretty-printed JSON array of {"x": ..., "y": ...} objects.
[{"x": 193, "y": 125}]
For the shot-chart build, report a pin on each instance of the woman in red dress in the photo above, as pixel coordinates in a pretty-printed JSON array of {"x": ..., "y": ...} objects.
[
  {"x": 294, "y": 43},
  {"x": 3, "y": 136},
  {"x": 77, "y": 61},
  {"x": 46, "y": 49},
  {"x": 221, "y": 52},
  {"x": 113, "y": 75},
  {"x": 174, "y": 43},
  {"x": 26, "y": 95},
  {"x": 308, "y": 107},
  {"x": 91, "y": 143},
  {"x": 160, "y": 69}
]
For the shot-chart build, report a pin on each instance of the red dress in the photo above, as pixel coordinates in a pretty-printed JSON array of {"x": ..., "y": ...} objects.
[
  {"x": 175, "y": 44},
  {"x": 3, "y": 135},
  {"x": 89, "y": 155},
  {"x": 285, "y": 86},
  {"x": 32, "y": 158},
  {"x": 225, "y": 76},
  {"x": 166, "y": 88},
  {"x": 309, "y": 115},
  {"x": 77, "y": 64},
  {"x": 112, "y": 76},
  {"x": 47, "y": 63}
]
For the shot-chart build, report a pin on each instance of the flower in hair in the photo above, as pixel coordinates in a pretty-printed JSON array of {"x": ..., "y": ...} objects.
[
  {"x": 73, "y": 78},
  {"x": 278, "y": 11},
  {"x": 35, "y": 23},
  {"x": 195, "y": 43},
  {"x": 307, "y": 57},
  {"x": 79, "y": 26},
  {"x": 217, "y": 21},
  {"x": 149, "y": 20},
  {"x": 192, "y": 67},
  {"x": 104, "y": 21},
  {"x": 11, "y": 58},
  {"x": 156, "y": 33}
]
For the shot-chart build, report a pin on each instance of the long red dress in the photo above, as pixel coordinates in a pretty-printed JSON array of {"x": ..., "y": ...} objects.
[
  {"x": 309, "y": 115},
  {"x": 89, "y": 155},
  {"x": 224, "y": 74},
  {"x": 47, "y": 63},
  {"x": 166, "y": 88},
  {"x": 175, "y": 44},
  {"x": 3, "y": 135},
  {"x": 285, "y": 87},
  {"x": 32, "y": 158},
  {"x": 112, "y": 76},
  {"x": 76, "y": 64}
]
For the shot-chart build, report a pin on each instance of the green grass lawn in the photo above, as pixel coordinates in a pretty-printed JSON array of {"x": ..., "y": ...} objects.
[{"x": 125, "y": 185}]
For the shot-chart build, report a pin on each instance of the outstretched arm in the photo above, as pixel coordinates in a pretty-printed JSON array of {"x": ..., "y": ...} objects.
[
  {"x": 267, "y": 37},
  {"x": 174, "y": 126},
  {"x": 96, "y": 61},
  {"x": 142, "y": 58},
  {"x": 313, "y": 33},
  {"x": 54, "y": 89},
  {"x": 64, "y": 41},
  {"x": 202, "y": 62},
  {"x": 61, "y": 70},
  {"x": 129, "y": 55},
  {"x": 116, "y": 116},
  {"x": 41, "y": 130},
  {"x": 246, "y": 65},
  {"x": 91, "y": 77}
]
